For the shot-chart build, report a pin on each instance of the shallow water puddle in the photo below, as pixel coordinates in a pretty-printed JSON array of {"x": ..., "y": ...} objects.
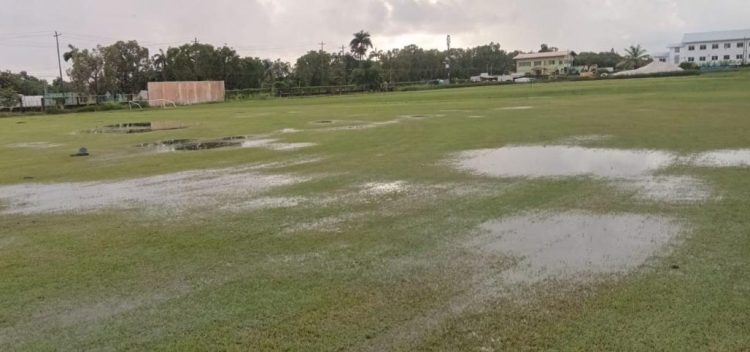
[
  {"x": 574, "y": 245},
  {"x": 515, "y": 108},
  {"x": 226, "y": 142},
  {"x": 34, "y": 145},
  {"x": 138, "y": 127},
  {"x": 722, "y": 158},
  {"x": 176, "y": 191},
  {"x": 672, "y": 189},
  {"x": 558, "y": 161}
]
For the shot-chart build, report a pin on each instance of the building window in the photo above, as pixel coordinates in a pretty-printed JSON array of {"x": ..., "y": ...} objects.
[
  {"x": 552, "y": 62},
  {"x": 691, "y": 59},
  {"x": 714, "y": 46},
  {"x": 702, "y": 58},
  {"x": 561, "y": 62},
  {"x": 691, "y": 47},
  {"x": 703, "y": 47},
  {"x": 714, "y": 58},
  {"x": 740, "y": 45},
  {"x": 727, "y": 45},
  {"x": 739, "y": 57},
  {"x": 727, "y": 57},
  {"x": 676, "y": 50},
  {"x": 524, "y": 64},
  {"x": 537, "y": 63}
]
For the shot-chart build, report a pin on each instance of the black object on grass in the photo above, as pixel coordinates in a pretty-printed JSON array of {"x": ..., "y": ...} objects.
[{"x": 81, "y": 152}]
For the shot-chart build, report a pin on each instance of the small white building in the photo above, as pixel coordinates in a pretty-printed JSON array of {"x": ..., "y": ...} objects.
[
  {"x": 486, "y": 77},
  {"x": 661, "y": 57},
  {"x": 712, "y": 48}
]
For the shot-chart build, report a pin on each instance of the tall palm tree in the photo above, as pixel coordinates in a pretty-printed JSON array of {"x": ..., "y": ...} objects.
[
  {"x": 360, "y": 44},
  {"x": 635, "y": 56}
]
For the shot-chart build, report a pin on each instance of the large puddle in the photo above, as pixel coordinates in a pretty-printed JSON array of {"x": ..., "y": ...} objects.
[
  {"x": 177, "y": 191},
  {"x": 173, "y": 145},
  {"x": 574, "y": 245},
  {"x": 560, "y": 161},
  {"x": 138, "y": 127}
]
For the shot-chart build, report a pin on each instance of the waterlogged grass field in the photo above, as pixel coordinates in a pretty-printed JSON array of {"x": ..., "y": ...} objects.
[{"x": 605, "y": 215}]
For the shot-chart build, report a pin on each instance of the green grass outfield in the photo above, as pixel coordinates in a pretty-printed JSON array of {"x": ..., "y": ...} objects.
[{"x": 131, "y": 279}]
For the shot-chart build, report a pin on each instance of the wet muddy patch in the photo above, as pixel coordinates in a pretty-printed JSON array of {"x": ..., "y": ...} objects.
[
  {"x": 34, "y": 145},
  {"x": 562, "y": 161},
  {"x": 170, "y": 192},
  {"x": 631, "y": 171},
  {"x": 138, "y": 127},
  {"x": 267, "y": 203},
  {"x": 722, "y": 158},
  {"x": 585, "y": 139},
  {"x": 670, "y": 189},
  {"x": 573, "y": 245},
  {"x": 510, "y": 108},
  {"x": 384, "y": 188},
  {"x": 175, "y": 145}
]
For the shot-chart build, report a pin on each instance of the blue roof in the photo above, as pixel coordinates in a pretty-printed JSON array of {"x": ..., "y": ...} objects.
[{"x": 716, "y": 36}]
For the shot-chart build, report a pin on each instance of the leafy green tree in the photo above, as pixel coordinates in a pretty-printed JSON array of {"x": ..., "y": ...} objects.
[
  {"x": 635, "y": 57},
  {"x": 341, "y": 68},
  {"x": 360, "y": 44},
  {"x": 368, "y": 75},
  {"x": 602, "y": 59},
  {"x": 126, "y": 66},
  {"x": 87, "y": 71},
  {"x": 8, "y": 98},
  {"x": 249, "y": 73},
  {"x": 313, "y": 69},
  {"x": 23, "y": 83},
  {"x": 276, "y": 74}
]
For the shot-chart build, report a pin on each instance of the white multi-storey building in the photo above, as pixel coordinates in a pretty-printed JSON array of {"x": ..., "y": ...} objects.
[{"x": 712, "y": 48}]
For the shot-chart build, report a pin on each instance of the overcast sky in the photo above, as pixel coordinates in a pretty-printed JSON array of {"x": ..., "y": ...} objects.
[{"x": 287, "y": 28}]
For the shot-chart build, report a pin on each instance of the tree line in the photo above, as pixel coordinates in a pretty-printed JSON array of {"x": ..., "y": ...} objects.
[{"x": 125, "y": 66}]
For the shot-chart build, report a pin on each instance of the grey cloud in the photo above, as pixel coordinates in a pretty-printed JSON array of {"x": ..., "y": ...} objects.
[{"x": 288, "y": 28}]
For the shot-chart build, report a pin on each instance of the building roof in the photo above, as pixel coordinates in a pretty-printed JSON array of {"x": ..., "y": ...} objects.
[
  {"x": 542, "y": 55},
  {"x": 716, "y": 36}
]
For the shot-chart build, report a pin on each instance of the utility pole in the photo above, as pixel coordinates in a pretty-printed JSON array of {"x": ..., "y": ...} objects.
[
  {"x": 343, "y": 64},
  {"x": 322, "y": 64},
  {"x": 195, "y": 41},
  {"x": 59, "y": 63},
  {"x": 448, "y": 58}
]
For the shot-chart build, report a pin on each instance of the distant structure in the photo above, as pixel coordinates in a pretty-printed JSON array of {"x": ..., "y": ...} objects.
[
  {"x": 187, "y": 92},
  {"x": 712, "y": 48},
  {"x": 661, "y": 56},
  {"x": 544, "y": 64}
]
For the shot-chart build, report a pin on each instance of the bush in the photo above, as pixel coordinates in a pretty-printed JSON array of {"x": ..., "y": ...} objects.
[
  {"x": 689, "y": 66},
  {"x": 661, "y": 74},
  {"x": 54, "y": 110},
  {"x": 110, "y": 105}
]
